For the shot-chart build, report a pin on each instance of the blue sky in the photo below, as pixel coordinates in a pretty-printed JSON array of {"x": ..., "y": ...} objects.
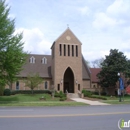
[{"x": 100, "y": 25}]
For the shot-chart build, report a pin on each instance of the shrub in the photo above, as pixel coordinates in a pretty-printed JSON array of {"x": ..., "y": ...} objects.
[
  {"x": 96, "y": 93},
  {"x": 63, "y": 99},
  {"x": 99, "y": 97},
  {"x": 56, "y": 95},
  {"x": 30, "y": 92},
  {"x": 86, "y": 93},
  {"x": 60, "y": 94},
  {"x": 103, "y": 93},
  {"x": 7, "y": 92}
]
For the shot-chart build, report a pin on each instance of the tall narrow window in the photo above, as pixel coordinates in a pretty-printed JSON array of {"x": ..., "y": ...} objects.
[
  {"x": 60, "y": 49},
  {"x": 68, "y": 50},
  {"x": 58, "y": 87},
  {"x": 44, "y": 60},
  {"x": 76, "y": 51},
  {"x": 17, "y": 85},
  {"x": 64, "y": 50},
  {"x": 32, "y": 60},
  {"x": 72, "y": 50},
  {"x": 45, "y": 85}
]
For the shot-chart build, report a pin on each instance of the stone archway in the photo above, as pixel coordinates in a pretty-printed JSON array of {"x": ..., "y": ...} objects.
[{"x": 69, "y": 81}]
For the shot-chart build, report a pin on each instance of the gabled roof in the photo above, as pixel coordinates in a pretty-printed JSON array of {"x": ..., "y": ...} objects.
[
  {"x": 68, "y": 32},
  {"x": 85, "y": 69},
  {"x": 94, "y": 72},
  {"x": 44, "y": 70}
]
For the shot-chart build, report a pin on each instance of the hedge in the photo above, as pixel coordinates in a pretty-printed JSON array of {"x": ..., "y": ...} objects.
[
  {"x": 30, "y": 92},
  {"x": 7, "y": 92}
]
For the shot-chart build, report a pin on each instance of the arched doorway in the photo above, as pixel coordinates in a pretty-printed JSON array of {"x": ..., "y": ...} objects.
[{"x": 68, "y": 81}]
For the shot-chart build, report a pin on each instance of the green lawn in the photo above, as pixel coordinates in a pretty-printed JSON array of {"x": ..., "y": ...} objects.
[
  {"x": 34, "y": 100},
  {"x": 115, "y": 100}
]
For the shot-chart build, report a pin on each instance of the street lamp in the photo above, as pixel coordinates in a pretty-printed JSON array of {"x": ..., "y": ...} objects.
[
  {"x": 119, "y": 91},
  {"x": 61, "y": 81},
  {"x": 118, "y": 74},
  {"x": 121, "y": 87}
]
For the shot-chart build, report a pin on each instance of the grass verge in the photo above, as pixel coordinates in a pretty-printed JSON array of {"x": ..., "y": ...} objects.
[
  {"x": 34, "y": 100},
  {"x": 46, "y": 103},
  {"x": 115, "y": 100}
]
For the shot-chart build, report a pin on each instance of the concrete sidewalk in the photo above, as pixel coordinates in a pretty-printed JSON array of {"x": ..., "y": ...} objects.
[{"x": 89, "y": 101}]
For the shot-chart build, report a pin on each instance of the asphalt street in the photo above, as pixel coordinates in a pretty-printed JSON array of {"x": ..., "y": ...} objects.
[{"x": 63, "y": 118}]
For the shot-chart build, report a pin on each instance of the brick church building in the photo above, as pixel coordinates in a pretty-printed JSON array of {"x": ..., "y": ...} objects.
[{"x": 64, "y": 70}]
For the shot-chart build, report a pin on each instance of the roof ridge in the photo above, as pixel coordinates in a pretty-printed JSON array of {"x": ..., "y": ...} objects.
[
  {"x": 40, "y": 54},
  {"x": 63, "y": 33}
]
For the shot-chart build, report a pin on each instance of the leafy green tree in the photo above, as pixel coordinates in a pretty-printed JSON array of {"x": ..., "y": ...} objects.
[
  {"x": 33, "y": 80},
  {"x": 127, "y": 72},
  {"x": 2, "y": 86},
  {"x": 12, "y": 56},
  {"x": 114, "y": 63}
]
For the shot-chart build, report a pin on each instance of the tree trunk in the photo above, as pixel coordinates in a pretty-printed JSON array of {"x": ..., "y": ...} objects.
[
  {"x": 32, "y": 91},
  {"x": 99, "y": 91},
  {"x": 10, "y": 86},
  {"x": 106, "y": 90}
]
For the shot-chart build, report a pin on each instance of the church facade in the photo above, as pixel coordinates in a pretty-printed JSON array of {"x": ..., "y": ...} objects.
[{"x": 64, "y": 70}]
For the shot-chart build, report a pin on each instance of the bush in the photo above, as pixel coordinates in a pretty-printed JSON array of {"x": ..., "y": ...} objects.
[
  {"x": 96, "y": 93},
  {"x": 103, "y": 93},
  {"x": 99, "y": 97},
  {"x": 30, "y": 92},
  {"x": 63, "y": 99},
  {"x": 60, "y": 94},
  {"x": 56, "y": 95},
  {"x": 86, "y": 93},
  {"x": 7, "y": 92}
]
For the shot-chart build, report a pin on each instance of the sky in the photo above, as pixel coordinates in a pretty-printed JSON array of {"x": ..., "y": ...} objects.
[{"x": 100, "y": 25}]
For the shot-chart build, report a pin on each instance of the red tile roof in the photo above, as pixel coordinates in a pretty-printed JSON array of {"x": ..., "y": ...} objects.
[{"x": 94, "y": 72}]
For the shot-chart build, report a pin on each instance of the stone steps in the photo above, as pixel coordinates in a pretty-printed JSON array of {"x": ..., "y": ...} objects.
[{"x": 73, "y": 95}]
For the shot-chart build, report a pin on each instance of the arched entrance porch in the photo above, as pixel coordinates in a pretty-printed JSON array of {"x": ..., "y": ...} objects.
[{"x": 68, "y": 81}]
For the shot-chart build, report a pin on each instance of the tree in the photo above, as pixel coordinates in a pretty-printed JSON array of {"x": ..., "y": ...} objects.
[
  {"x": 2, "y": 87},
  {"x": 115, "y": 62},
  {"x": 33, "y": 80},
  {"x": 12, "y": 56},
  {"x": 97, "y": 63}
]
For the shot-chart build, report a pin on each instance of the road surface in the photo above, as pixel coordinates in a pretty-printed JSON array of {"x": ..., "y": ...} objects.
[{"x": 63, "y": 118}]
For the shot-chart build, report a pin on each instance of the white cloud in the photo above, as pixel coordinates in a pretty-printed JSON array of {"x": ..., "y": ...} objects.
[
  {"x": 102, "y": 21},
  {"x": 92, "y": 55},
  {"x": 127, "y": 31},
  {"x": 104, "y": 53},
  {"x": 35, "y": 41},
  {"x": 84, "y": 10},
  {"x": 125, "y": 46},
  {"x": 115, "y": 15},
  {"x": 119, "y": 7}
]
